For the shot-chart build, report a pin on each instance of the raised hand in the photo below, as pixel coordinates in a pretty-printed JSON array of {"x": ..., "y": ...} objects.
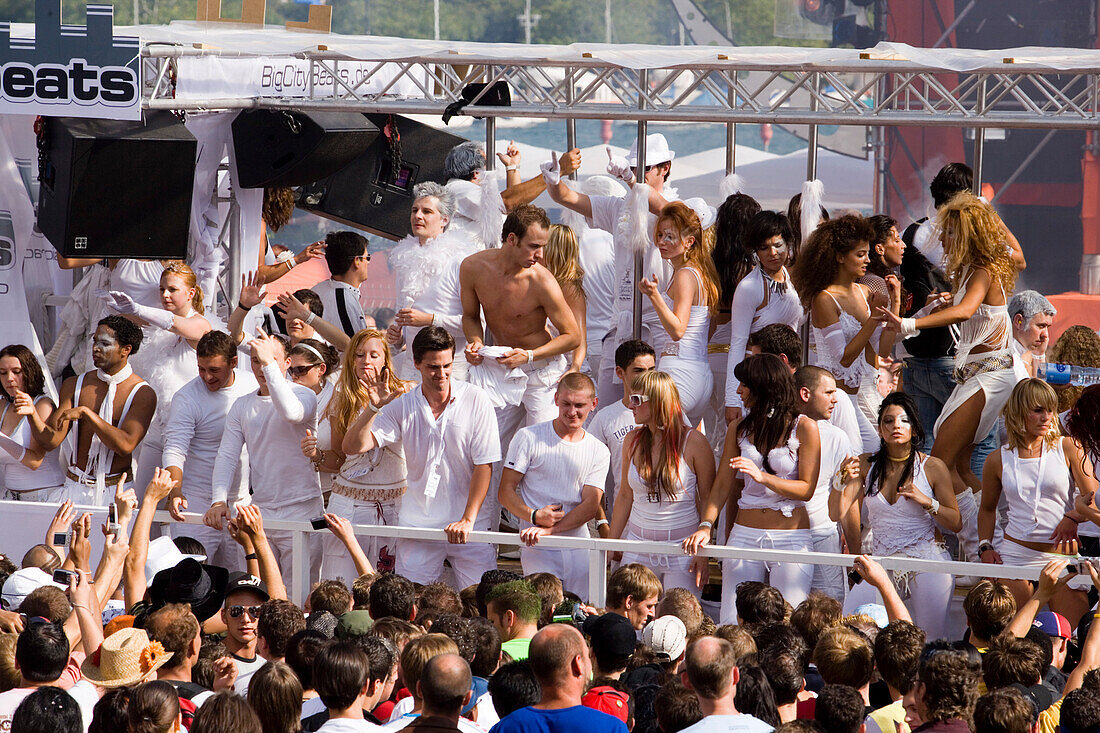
[
  {"x": 649, "y": 287},
  {"x": 309, "y": 445},
  {"x": 215, "y": 515},
  {"x": 311, "y": 252},
  {"x": 250, "y": 520},
  {"x": 570, "y": 161},
  {"x": 160, "y": 486},
  {"x": 618, "y": 167},
  {"x": 62, "y": 518},
  {"x": 747, "y": 467},
  {"x": 551, "y": 170},
  {"x": 252, "y": 285},
  {"x": 293, "y": 309},
  {"x": 263, "y": 347},
  {"x": 511, "y": 156}
]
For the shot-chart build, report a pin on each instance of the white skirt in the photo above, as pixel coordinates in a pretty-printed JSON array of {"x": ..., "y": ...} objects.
[{"x": 996, "y": 385}]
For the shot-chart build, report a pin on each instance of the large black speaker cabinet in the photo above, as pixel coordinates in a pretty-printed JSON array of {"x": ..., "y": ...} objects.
[
  {"x": 369, "y": 193},
  {"x": 111, "y": 188},
  {"x": 285, "y": 148}
]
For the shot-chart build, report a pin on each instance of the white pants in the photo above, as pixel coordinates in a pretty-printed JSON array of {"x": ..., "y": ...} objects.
[
  {"x": 569, "y": 565},
  {"x": 829, "y": 579},
  {"x": 282, "y": 540},
  {"x": 421, "y": 561},
  {"x": 968, "y": 535},
  {"x": 792, "y": 579},
  {"x": 714, "y": 417},
  {"x": 381, "y": 551},
  {"x": 929, "y": 599},
  {"x": 1016, "y": 555},
  {"x": 693, "y": 381},
  {"x": 79, "y": 493},
  {"x": 674, "y": 570},
  {"x": 220, "y": 548}
]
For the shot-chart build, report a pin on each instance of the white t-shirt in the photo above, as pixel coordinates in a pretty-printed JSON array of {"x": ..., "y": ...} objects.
[
  {"x": 844, "y": 417},
  {"x": 835, "y": 447},
  {"x": 555, "y": 470},
  {"x": 245, "y": 670},
  {"x": 729, "y": 724},
  {"x": 597, "y": 257},
  {"x": 611, "y": 426},
  {"x": 347, "y": 725},
  {"x": 342, "y": 307},
  {"x": 312, "y": 706},
  {"x": 83, "y": 692},
  {"x": 440, "y": 454},
  {"x": 194, "y": 431}
]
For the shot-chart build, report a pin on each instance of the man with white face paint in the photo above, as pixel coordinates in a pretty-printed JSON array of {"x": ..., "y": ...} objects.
[
  {"x": 192, "y": 436},
  {"x": 270, "y": 423},
  {"x": 1032, "y": 316},
  {"x": 425, "y": 267},
  {"x": 112, "y": 408}
]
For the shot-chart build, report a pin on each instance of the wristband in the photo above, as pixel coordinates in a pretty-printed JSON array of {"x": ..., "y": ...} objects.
[
  {"x": 530, "y": 355},
  {"x": 511, "y": 167},
  {"x": 708, "y": 525},
  {"x": 934, "y": 507},
  {"x": 242, "y": 307},
  {"x": 312, "y": 318},
  {"x": 433, "y": 320},
  {"x": 374, "y": 409},
  {"x": 251, "y": 556},
  {"x": 1075, "y": 521},
  {"x": 909, "y": 327},
  {"x": 533, "y": 513},
  {"x": 985, "y": 546},
  {"x": 601, "y": 522}
]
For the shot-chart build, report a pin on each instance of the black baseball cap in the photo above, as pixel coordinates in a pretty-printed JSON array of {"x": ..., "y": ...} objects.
[
  {"x": 611, "y": 636},
  {"x": 246, "y": 582}
]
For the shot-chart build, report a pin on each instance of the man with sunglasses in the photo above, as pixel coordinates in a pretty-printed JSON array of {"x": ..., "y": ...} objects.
[
  {"x": 241, "y": 615},
  {"x": 347, "y": 257}
]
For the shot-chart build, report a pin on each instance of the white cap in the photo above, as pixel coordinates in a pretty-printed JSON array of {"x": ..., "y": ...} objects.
[
  {"x": 164, "y": 554},
  {"x": 666, "y": 636},
  {"x": 656, "y": 151},
  {"x": 707, "y": 214},
  {"x": 22, "y": 583}
]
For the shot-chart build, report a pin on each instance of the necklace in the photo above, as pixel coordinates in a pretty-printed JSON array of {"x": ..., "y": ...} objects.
[{"x": 903, "y": 459}]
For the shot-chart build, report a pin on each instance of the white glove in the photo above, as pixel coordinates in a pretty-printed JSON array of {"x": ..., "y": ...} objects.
[
  {"x": 618, "y": 167},
  {"x": 551, "y": 170},
  {"x": 122, "y": 303},
  {"x": 909, "y": 328},
  {"x": 117, "y": 302}
]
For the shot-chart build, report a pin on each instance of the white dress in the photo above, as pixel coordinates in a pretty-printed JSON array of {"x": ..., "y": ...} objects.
[{"x": 686, "y": 360}]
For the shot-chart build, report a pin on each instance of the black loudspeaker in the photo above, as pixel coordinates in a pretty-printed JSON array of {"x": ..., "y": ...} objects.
[
  {"x": 370, "y": 193},
  {"x": 112, "y": 188},
  {"x": 284, "y": 148}
]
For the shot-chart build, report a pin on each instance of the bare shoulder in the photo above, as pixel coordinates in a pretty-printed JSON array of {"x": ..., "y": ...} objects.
[{"x": 937, "y": 466}]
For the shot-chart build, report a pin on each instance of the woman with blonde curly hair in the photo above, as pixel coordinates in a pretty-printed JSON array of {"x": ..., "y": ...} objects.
[
  {"x": 562, "y": 257},
  {"x": 668, "y": 469},
  {"x": 685, "y": 308},
  {"x": 1079, "y": 346},
  {"x": 1040, "y": 473},
  {"x": 982, "y": 262},
  {"x": 369, "y": 486}
]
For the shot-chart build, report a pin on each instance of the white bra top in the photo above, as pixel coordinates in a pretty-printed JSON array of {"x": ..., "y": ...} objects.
[
  {"x": 830, "y": 349},
  {"x": 679, "y": 511},
  {"x": 1038, "y": 492},
  {"x": 18, "y": 477},
  {"x": 903, "y": 524},
  {"x": 784, "y": 463}
]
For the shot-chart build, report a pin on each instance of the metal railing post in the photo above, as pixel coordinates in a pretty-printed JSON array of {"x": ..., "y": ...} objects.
[
  {"x": 298, "y": 577},
  {"x": 639, "y": 261}
]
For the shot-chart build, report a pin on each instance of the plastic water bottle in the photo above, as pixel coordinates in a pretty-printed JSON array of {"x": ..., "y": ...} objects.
[{"x": 1069, "y": 374}]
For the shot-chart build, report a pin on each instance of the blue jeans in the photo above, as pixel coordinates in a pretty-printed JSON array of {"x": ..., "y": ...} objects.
[{"x": 928, "y": 381}]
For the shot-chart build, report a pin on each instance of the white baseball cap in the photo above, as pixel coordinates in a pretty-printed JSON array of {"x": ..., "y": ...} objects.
[
  {"x": 666, "y": 636},
  {"x": 22, "y": 583}
]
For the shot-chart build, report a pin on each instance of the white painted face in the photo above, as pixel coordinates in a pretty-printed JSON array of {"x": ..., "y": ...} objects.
[{"x": 106, "y": 350}]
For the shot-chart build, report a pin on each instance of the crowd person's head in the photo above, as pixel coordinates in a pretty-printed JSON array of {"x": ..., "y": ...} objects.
[
  {"x": 679, "y": 232},
  {"x": 433, "y": 351},
  {"x": 487, "y": 646},
  {"x": 154, "y": 707},
  {"x": 9, "y": 674},
  {"x": 346, "y": 255},
  {"x": 560, "y": 660},
  {"x": 658, "y": 412},
  {"x": 433, "y": 210},
  {"x": 417, "y": 653},
  {"x": 180, "y": 291},
  {"x": 633, "y": 591},
  {"x": 464, "y": 161},
  {"x": 1012, "y": 661},
  {"x": 682, "y": 603},
  {"x": 845, "y": 657},
  {"x": 759, "y": 603},
  {"x": 632, "y": 358},
  {"x": 458, "y": 630},
  {"x": 514, "y": 609},
  {"x": 1080, "y": 712},
  {"x": 667, "y": 638},
  {"x": 575, "y": 399},
  {"x": 1031, "y": 413},
  {"x": 612, "y": 639},
  {"x": 768, "y": 241},
  {"x": 839, "y": 709},
  {"x": 116, "y": 339},
  {"x": 217, "y": 358},
  {"x": 392, "y": 595},
  {"x": 279, "y": 620},
  {"x": 110, "y": 713},
  {"x": 491, "y": 579},
  {"x": 817, "y": 392},
  {"x": 898, "y": 650},
  {"x": 989, "y": 607},
  {"x": 1032, "y": 316},
  {"x": 179, "y": 632},
  {"x": 1006, "y": 711},
  {"x": 973, "y": 235},
  {"x": 41, "y": 653},
  {"x": 742, "y": 641},
  {"x": 20, "y": 372},
  {"x": 439, "y": 597},
  {"x": 341, "y": 676},
  {"x": 779, "y": 339},
  {"x": 676, "y": 707},
  {"x": 1080, "y": 346},
  {"x": 1056, "y": 628},
  {"x": 837, "y": 249},
  {"x": 47, "y": 710},
  {"x": 732, "y": 260},
  {"x": 444, "y": 686},
  {"x": 48, "y": 602},
  {"x": 952, "y": 179},
  {"x": 946, "y": 687},
  {"x": 241, "y": 612},
  {"x": 524, "y": 235},
  {"x": 301, "y": 650},
  {"x": 514, "y": 686},
  {"x": 550, "y": 591},
  {"x": 360, "y": 591},
  {"x": 275, "y": 693},
  {"x": 332, "y": 596},
  {"x": 755, "y": 695},
  {"x": 815, "y": 614},
  {"x": 783, "y": 662},
  {"x": 226, "y": 712},
  {"x": 312, "y": 363},
  {"x": 887, "y": 246},
  {"x": 710, "y": 670}
]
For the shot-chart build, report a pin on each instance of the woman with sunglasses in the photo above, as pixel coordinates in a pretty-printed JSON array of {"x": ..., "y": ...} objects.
[
  {"x": 27, "y": 467},
  {"x": 369, "y": 486},
  {"x": 907, "y": 498},
  {"x": 315, "y": 365},
  {"x": 768, "y": 471},
  {"x": 765, "y": 295},
  {"x": 684, "y": 309},
  {"x": 668, "y": 469}
]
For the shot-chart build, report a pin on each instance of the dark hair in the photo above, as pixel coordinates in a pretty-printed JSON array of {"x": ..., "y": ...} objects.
[
  {"x": 514, "y": 686},
  {"x": 226, "y": 712},
  {"x": 732, "y": 260},
  {"x": 330, "y": 595},
  {"x": 42, "y": 652},
  {"x": 775, "y": 403},
  {"x": 521, "y": 218},
  {"x": 431, "y": 338},
  {"x": 47, "y": 710},
  {"x": 457, "y": 629},
  {"x": 381, "y": 656},
  {"x": 392, "y": 595},
  {"x": 1083, "y": 421},
  {"x": 491, "y": 579},
  {"x": 34, "y": 381},
  {"x": 110, "y": 712},
  {"x": 189, "y": 545},
  {"x": 817, "y": 266},
  {"x": 882, "y": 224},
  {"x": 518, "y": 597},
  {"x": 311, "y": 300},
  {"x": 839, "y": 709},
  {"x": 360, "y": 591},
  {"x": 794, "y": 217},
  {"x": 275, "y": 693},
  {"x": 486, "y": 646},
  {"x": 989, "y": 607},
  {"x": 301, "y": 650},
  {"x": 779, "y": 339},
  {"x": 950, "y": 681},
  {"x": 898, "y": 649},
  {"x": 784, "y": 669},
  {"x": 341, "y": 249},
  {"x": 676, "y": 707},
  {"x": 439, "y": 597},
  {"x": 876, "y": 472},
  {"x": 340, "y": 672},
  {"x": 1046, "y": 646},
  {"x": 126, "y": 332},
  {"x": 1010, "y": 661},
  {"x": 765, "y": 225},
  {"x": 216, "y": 343},
  {"x": 48, "y": 602},
  {"x": 154, "y": 707},
  {"x": 630, "y": 350},
  {"x": 308, "y": 350},
  {"x": 759, "y": 603},
  {"x": 754, "y": 695},
  {"x": 279, "y": 620},
  {"x": 1006, "y": 710},
  {"x": 1080, "y": 712},
  {"x": 815, "y": 614},
  {"x": 175, "y": 627},
  {"x": 952, "y": 179}
]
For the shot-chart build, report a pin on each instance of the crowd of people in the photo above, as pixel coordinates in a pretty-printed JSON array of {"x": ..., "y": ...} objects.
[{"x": 513, "y": 390}]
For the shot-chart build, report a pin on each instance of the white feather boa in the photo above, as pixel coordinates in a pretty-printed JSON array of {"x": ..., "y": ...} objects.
[{"x": 416, "y": 266}]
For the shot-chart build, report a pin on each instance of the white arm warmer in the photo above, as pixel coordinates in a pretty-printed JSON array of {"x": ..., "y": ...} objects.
[
  {"x": 746, "y": 299},
  {"x": 287, "y": 403}
]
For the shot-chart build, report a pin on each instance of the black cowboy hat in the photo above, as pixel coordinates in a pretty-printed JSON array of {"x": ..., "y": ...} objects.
[{"x": 202, "y": 586}]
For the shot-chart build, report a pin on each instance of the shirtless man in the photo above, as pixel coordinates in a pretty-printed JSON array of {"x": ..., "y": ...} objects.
[{"x": 112, "y": 412}]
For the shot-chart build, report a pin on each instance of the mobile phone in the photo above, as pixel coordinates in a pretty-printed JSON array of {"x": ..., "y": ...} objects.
[
  {"x": 63, "y": 576},
  {"x": 319, "y": 523},
  {"x": 1082, "y": 564},
  {"x": 112, "y": 519},
  {"x": 60, "y": 539},
  {"x": 854, "y": 577}
]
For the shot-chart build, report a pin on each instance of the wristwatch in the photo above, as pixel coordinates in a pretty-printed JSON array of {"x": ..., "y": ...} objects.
[{"x": 985, "y": 546}]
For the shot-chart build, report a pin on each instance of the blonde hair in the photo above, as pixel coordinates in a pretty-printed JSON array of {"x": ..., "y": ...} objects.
[
  {"x": 181, "y": 270},
  {"x": 417, "y": 653},
  {"x": 663, "y": 476},
  {"x": 351, "y": 397},
  {"x": 1026, "y": 396},
  {"x": 561, "y": 256},
  {"x": 977, "y": 239},
  {"x": 697, "y": 256}
]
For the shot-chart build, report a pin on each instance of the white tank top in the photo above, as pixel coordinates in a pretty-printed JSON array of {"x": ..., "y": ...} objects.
[
  {"x": 679, "y": 511},
  {"x": 140, "y": 279},
  {"x": 1038, "y": 491},
  {"x": 693, "y": 344},
  {"x": 784, "y": 463},
  {"x": 904, "y": 524},
  {"x": 18, "y": 477}
]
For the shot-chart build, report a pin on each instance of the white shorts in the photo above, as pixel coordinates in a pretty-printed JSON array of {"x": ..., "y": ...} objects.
[
  {"x": 1016, "y": 555},
  {"x": 83, "y": 494},
  {"x": 421, "y": 561}
]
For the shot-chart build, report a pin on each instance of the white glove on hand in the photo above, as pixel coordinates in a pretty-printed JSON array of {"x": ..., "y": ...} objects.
[
  {"x": 909, "y": 328},
  {"x": 122, "y": 303},
  {"x": 618, "y": 167},
  {"x": 551, "y": 170},
  {"x": 117, "y": 302}
]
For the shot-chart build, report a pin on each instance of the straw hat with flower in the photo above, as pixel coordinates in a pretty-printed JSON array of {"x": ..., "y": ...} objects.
[{"x": 126, "y": 657}]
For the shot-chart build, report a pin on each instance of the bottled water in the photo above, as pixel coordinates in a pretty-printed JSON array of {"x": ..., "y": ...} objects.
[{"x": 1068, "y": 374}]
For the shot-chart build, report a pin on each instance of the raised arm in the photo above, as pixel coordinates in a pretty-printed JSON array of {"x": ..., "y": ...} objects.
[
  {"x": 40, "y": 419},
  {"x": 876, "y": 575},
  {"x": 1051, "y": 580},
  {"x": 976, "y": 289},
  {"x": 290, "y": 308},
  {"x": 251, "y": 522},
  {"x": 527, "y": 191},
  {"x": 562, "y": 194}
]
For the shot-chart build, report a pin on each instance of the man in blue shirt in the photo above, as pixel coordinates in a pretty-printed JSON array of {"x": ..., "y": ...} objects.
[{"x": 559, "y": 657}]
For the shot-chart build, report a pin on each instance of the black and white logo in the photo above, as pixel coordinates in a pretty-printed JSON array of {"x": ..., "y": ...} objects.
[{"x": 7, "y": 241}]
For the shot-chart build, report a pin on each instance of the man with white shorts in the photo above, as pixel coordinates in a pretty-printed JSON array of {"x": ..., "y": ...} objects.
[
  {"x": 552, "y": 481},
  {"x": 448, "y": 431},
  {"x": 192, "y": 436}
]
